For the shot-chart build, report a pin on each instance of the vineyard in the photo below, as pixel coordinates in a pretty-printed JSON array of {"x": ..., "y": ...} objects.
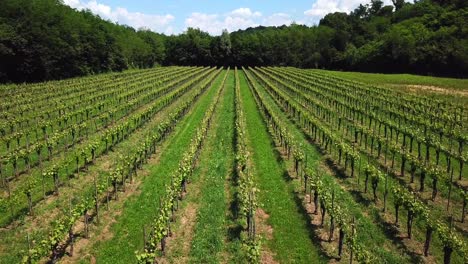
[{"x": 240, "y": 165}]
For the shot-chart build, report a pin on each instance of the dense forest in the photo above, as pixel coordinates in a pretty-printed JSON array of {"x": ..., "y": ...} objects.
[{"x": 45, "y": 39}]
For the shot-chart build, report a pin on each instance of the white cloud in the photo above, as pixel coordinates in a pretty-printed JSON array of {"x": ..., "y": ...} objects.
[
  {"x": 245, "y": 12},
  {"x": 158, "y": 23},
  {"x": 72, "y": 3},
  {"x": 240, "y": 18},
  {"x": 277, "y": 19},
  {"x": 202, "y": 21},
  {"x": 322, "y": 7}
]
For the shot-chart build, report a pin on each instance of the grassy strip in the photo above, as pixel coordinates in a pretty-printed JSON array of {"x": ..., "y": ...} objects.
[
  {"x": 208, "y": 240},
  {"x": 402, "y": 79},
  {"x": 178, "y": 246},
  {"x": 455, "y": 90},
  {"x": 291, "y": 240},
  {"x": 370, "y": 234},
  {"x": 160, "y": 226},
  {"x": 181, "y": 232},
  {"x": 374, "y": 211},
  {"x": 244, "y": 244},
  {"x": 15, "y": 239},
  {"x": 52, "y": 209},
  {"x": 140, "y": 210},
  {"x": 39, "y": 185}
]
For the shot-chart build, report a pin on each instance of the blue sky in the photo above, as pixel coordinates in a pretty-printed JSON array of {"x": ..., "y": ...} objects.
[{"x": 173, "y": 17}]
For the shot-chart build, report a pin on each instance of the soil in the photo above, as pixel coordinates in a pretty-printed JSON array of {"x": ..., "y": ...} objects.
[
  {"x": 261, "y": 218},
  {"x": 182, "y": 235},
  {"x": 435, "y": 89},
  {"x": 266, "y": 231}
]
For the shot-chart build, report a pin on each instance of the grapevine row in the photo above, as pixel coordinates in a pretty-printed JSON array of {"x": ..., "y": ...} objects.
[
  {"x": 339, "y": 218},
  {"x": 63, "y": 228},
  {"x": 161, "y": 224},
  {"x": 246, "y": 190},
  {"x": 34, "y": 188},
  {"x": 329, "y": 141}
]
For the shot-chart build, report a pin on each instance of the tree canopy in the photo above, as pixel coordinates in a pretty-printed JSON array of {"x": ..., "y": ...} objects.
[{"x": 45, "y": 39}]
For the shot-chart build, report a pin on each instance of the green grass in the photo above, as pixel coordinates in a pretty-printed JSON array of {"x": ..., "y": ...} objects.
[
  {"x": 14, "y": 240},
  {"x": 292, "y": 242},
  {"x": 65, "y": 169},
  {"x": 209, "y": 234},
  {"x": 453, "y": 90},
  {"x": 369, "y": 232},
  {"x": 438, "y": 210},
  {"x": 402, "y": 79},
  {"x": 140, "y": 210},
  {"x": 213, "y": 240}
]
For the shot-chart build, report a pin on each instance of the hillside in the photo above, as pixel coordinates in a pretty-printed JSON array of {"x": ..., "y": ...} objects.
[
  {"x": 233, "y": 165},
  {"x": 339, "y": 138},
  {"x": 46, "y": 40}
]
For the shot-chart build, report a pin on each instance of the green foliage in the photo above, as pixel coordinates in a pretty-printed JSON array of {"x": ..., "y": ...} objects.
[
  {"x": 160, "y": 226},
  {"x": 42, "y": 40}
]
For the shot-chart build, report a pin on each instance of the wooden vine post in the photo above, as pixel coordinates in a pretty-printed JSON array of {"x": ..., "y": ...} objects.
[
  {"x": 96, "y": 199},
  {"x": 353, "y": 231}
]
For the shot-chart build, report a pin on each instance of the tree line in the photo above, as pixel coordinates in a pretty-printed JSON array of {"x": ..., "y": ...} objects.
[{"x": 45, "y": 39}]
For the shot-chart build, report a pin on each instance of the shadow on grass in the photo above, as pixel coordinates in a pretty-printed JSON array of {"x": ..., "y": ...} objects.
[
  {"x": 388, "y": 229},
  {"x": 298, "y": 200},
  {"x": 391, "y": 232}
]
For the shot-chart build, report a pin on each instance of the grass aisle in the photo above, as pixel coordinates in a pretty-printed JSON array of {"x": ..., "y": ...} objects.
[
  {"x": 292, "y": 242},
  {"x": 49, "y": 210},
  {"x": 127, "y": 233},
  {"x": 209, "y": 234},
  {"x": 369, "y": 231}
]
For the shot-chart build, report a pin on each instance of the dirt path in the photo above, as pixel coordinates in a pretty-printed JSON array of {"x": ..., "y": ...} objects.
[{"x": 435, "y": 89}]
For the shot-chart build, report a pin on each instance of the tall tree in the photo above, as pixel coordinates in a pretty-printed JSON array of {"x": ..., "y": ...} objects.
[{"x": 398, "y": 4}]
